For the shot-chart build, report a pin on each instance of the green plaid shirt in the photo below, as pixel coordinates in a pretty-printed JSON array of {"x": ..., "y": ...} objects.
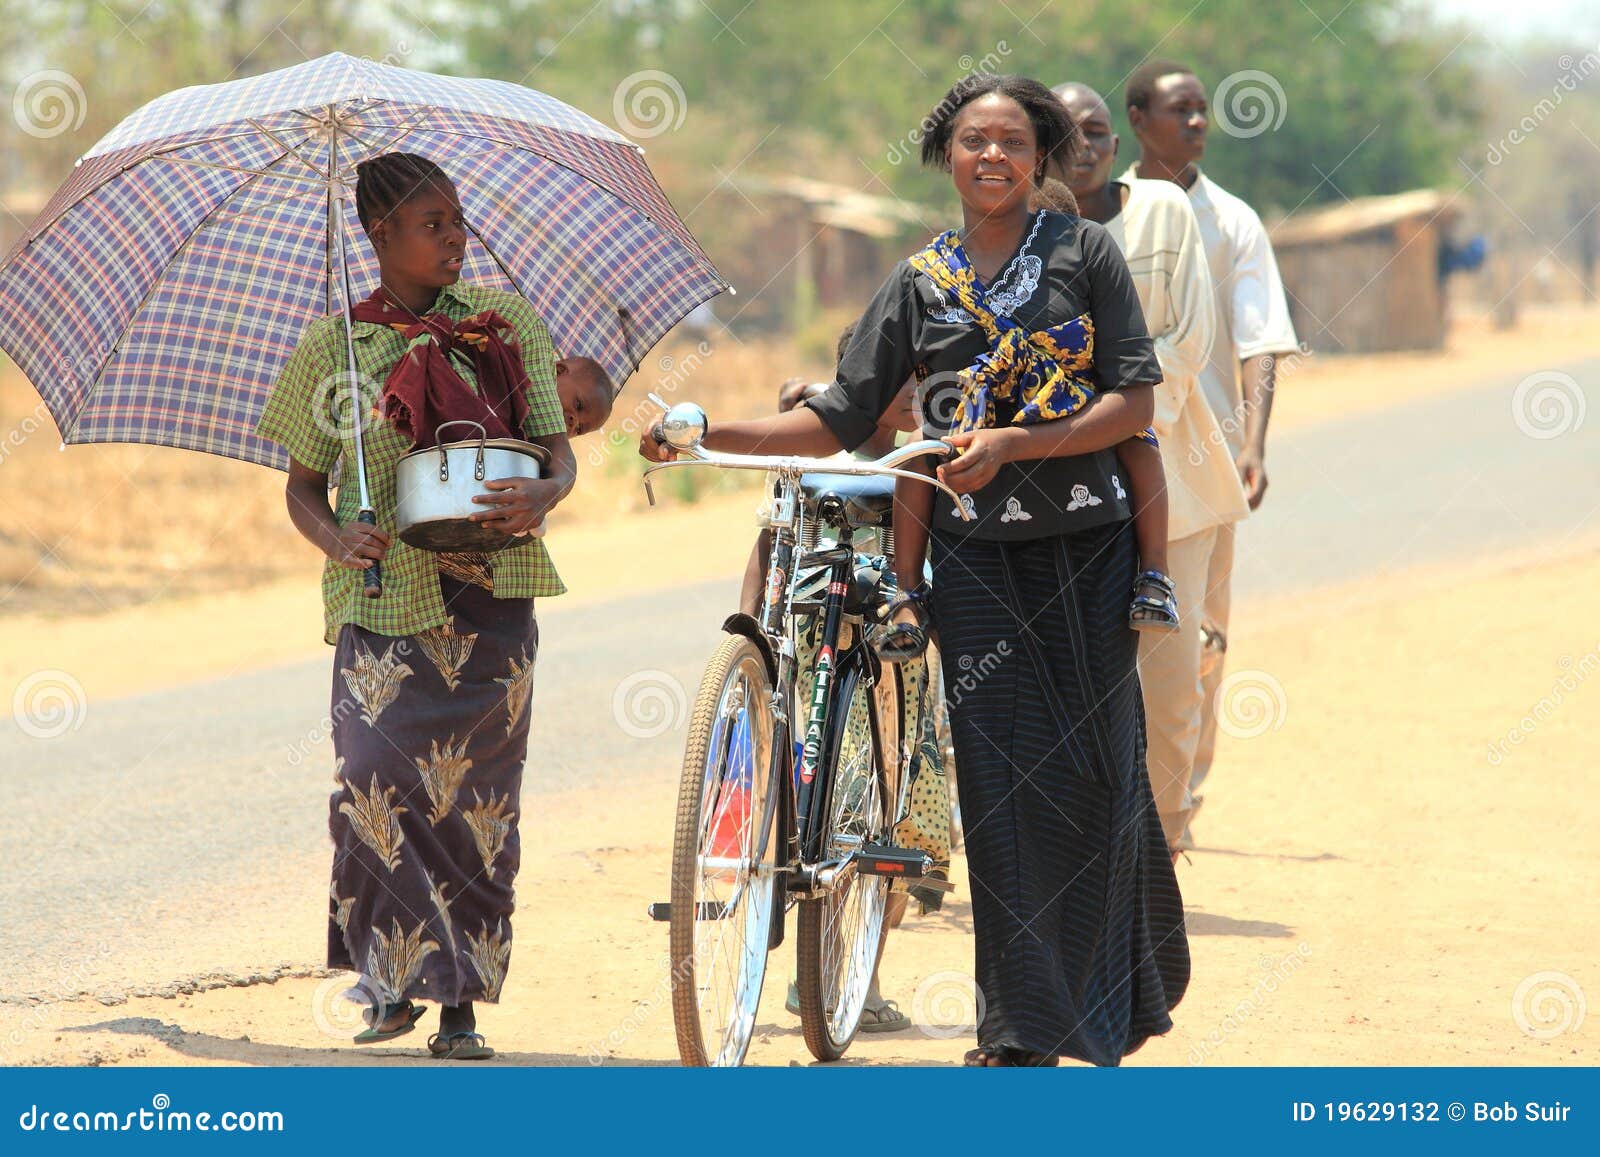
[{"x": 309, "y": 415}]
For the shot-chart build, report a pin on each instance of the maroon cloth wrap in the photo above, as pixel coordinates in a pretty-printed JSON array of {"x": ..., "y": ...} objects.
[{"x": 424, "y": 391}]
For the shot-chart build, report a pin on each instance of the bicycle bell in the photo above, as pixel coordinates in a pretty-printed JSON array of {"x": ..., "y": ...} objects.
[{"x": 683, "y": 426}]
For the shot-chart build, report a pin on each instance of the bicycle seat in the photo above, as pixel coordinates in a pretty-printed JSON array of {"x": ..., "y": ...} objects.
[{"x": 868, "y": 499}]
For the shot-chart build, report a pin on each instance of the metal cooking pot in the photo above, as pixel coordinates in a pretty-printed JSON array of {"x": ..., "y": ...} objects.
[{"x": 435, "y": 487}]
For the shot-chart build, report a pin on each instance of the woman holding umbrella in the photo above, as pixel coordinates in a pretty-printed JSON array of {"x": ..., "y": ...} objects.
[{"x": 431, "y": 680}]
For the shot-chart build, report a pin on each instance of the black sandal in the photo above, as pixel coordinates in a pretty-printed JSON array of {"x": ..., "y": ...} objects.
[
  {"x": 896, "y": 642},
  {"x": 373, "y": 1035},
  {"x": 1009, "y": 1057},
  {"x": 460, "y": 1046},
  {"x": 1148, "y": 612}
]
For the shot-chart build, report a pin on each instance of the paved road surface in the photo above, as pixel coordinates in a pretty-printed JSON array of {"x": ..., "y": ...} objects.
[{"x": 183, "y": 832}]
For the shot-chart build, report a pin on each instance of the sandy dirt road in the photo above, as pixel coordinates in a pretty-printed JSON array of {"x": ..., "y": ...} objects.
[{"x": 1395, "y": 865}]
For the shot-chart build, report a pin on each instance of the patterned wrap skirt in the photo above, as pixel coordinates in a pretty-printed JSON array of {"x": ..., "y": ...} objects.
[
  {"x": 430, "y": 732},
  {"x": 1078, "y": 922}
]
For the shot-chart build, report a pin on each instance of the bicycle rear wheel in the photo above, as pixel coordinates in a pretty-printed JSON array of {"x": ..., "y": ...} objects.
[
  {"x": 841, "y": 932},
  {"x": 722, "y": 875}
]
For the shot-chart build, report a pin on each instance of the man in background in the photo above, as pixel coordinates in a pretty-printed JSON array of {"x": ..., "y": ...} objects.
[
  {"x": 1167, "y": 109},
  {"x": 1156, "y": 230}
]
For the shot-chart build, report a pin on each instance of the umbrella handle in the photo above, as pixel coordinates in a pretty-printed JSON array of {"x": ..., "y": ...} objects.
[{"x": 372, "y": 577}]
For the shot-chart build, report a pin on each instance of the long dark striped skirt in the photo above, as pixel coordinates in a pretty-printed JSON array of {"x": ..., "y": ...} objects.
[
  {"x": 1079, "y": 927},
  {"x": 430, "y": 732}
]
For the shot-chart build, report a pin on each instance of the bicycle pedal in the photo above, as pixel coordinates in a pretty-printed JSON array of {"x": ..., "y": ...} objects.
[{"x": 885, "y": 860}]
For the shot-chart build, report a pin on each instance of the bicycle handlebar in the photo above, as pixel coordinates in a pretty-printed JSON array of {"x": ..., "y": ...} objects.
[{"x": 887, "y": 466}]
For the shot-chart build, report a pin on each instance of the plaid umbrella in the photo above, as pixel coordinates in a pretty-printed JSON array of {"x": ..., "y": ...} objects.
[{"x": 161, "y": 290}]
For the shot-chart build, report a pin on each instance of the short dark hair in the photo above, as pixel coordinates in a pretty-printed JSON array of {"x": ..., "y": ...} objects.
[
  {"x": 1055, "y": 196},
  {"x": 1055, "y": 135},
  {"x": 595, "y": 374},
  {"x": 1142, "y": 83},
  {"x": 389, "y": 180}
]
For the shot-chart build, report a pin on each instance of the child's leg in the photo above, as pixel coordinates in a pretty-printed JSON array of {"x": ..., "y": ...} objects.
[
  {"x": 754, "y": 589},
  {"x": 905, "y": 635},
  {"x": 1147, "y": 494}
]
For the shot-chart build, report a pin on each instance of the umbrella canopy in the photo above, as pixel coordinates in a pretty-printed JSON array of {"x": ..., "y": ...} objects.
[{"x": 161, "y": 290}]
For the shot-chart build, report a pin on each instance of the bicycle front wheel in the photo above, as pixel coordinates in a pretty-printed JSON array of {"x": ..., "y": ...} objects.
[
  {"x": 841, "y": 932},
  {"x": 722, "y": 874}
]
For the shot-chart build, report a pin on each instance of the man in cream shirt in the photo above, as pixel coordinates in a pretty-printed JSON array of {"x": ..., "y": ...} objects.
[
  {"x": 1167, "y": 107},
  {"x": 1159, "y": 237}
]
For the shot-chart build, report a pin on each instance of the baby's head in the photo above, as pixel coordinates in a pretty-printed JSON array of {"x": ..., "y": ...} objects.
[{"x": 586, "y": 393}]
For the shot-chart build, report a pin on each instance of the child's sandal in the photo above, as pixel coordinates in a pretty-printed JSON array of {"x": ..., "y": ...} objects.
[
  {"x": 1149, "y": 612},
  {"x": 898, "y": 642}
]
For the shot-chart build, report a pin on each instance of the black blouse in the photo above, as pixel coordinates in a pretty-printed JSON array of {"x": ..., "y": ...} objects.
[{"x": 1066, "y": 266}]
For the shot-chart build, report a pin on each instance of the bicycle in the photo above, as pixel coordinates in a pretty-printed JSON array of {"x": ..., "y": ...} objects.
[{"x": 764, "y": 822}]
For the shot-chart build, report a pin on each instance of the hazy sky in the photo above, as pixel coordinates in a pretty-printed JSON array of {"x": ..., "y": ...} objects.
[{"x": 1527, "y": 16}]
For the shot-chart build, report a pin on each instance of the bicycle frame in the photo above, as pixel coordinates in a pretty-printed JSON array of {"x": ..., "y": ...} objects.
[{"x": 803, "y": 799}]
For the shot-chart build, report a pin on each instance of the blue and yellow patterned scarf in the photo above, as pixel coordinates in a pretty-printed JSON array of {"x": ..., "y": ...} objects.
[{"x": 1046, "y": 372}]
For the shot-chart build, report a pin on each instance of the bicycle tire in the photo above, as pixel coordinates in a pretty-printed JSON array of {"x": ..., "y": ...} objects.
[
  {"x": 840, "y": 935},
  {"x": 735, "y": 680}
]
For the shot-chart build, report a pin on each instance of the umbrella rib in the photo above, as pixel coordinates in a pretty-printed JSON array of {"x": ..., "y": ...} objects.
[
  {"x": 240, "y": 169},
  {"x": 155, "y": 283},
  {"x": 292, "y": 150},
  {"x": 398, "y": 137}
]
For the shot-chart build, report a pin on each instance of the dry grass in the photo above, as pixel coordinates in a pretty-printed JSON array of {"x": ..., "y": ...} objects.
[{"x": 98, "y": 527}]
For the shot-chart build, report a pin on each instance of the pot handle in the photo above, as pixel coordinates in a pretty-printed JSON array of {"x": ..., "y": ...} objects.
[{"x": 444, "y": 459}]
